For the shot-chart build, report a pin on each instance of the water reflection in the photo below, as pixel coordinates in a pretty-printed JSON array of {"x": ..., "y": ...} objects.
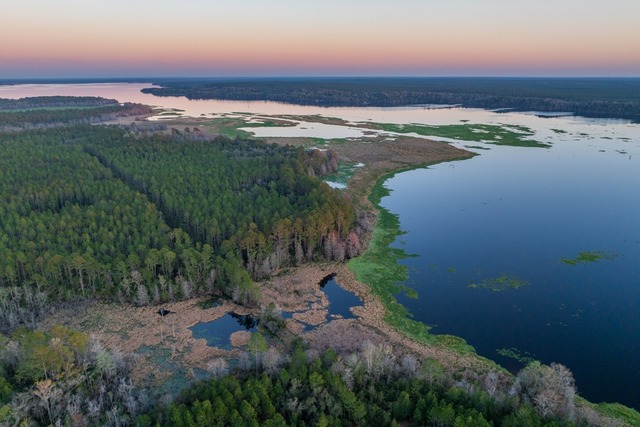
[{"x": 217, "y": 332}]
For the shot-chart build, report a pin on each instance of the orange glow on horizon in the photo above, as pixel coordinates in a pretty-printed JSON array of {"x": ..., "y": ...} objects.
[{"x": 469, "y": 40}]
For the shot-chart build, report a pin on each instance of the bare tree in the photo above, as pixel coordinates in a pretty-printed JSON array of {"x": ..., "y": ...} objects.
[
  {"x": 218, "y": 367},
  {"x": 47, "y": 392}
]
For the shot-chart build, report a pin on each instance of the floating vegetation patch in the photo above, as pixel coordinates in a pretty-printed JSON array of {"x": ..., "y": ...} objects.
[
  {"x": 559, "y": 131},
  {"x": 513, "y": 135},
  {"x": 513, "y": 353},
  {"x": 588, "y": 257},
  {"x": 499, "y": 284},
  {"x": 477, "y": 147}
]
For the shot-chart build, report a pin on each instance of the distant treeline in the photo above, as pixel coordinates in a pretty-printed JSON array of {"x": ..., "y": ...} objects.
[
  {"x": 51, "y": 111},
  {"x": 590, "y": 97},
  {"x": 55, "y": 102}
]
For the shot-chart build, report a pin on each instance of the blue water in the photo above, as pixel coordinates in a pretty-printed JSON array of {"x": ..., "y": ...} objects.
[
  {"x": 340, "y": 301},
  {"x": 519, "y": 212},
  {"x": 217, "y": 332}
]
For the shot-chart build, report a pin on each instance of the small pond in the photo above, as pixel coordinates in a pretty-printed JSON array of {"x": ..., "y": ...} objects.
[{"x": 218, "y": 332}]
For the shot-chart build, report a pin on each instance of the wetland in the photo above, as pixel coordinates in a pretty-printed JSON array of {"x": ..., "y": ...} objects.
[{"x": 560, "y": 215}]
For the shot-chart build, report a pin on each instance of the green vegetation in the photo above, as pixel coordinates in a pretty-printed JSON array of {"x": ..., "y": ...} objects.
[
  {"x": 121, "y": 214},
  {"x": 62, "y": 375},
  {"x": 513, "y": 353},
  {"x": 379, "y": 267},
  {"x": 591, "y": 97},
  {"x": 616, "y": 411},
  {"x": 369, "y": 388},
  {"x": 345, "y": 172},
  {"x": 26, "y": 113},
  {"x": 477, "y": 147},
  {"x": 490, "y": 134},
  {"x": 54, "y": 102},
  {"x": 499, "y": 284},
  {"x": 94, "y": 211},
  {"x": 588, "y": 257}
]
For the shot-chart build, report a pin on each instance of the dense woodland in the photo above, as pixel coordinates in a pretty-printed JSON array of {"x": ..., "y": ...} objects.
[
  {"x": 63, "y": 377},
  {"x": 64, "y": 102},
  {"x": 96, "y": 211},
  {"x": 609, "y": 98},
  {"x": 368, "y": 388},
  {"x": 40, "y": 118}
]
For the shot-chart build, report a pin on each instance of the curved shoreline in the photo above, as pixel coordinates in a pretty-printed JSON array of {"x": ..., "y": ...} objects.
[{"x": 137, "y": 329}]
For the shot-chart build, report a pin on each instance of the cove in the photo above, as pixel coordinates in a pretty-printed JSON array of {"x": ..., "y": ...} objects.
[{"x": 529, "y": 217}]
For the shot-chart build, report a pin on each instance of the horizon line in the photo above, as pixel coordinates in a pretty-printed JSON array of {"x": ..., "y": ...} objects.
[{"x": 303, "y": 77}]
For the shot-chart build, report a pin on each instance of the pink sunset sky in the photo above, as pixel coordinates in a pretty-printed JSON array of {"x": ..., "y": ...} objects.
[{"x": 135, "y": 38}]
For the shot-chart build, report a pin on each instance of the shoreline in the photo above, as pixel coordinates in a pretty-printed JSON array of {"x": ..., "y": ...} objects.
[
  {"x": 131, "y": 329},
  {"x": 381, "y": 160}
]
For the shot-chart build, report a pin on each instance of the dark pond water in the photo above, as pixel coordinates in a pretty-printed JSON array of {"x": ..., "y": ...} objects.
[
  {"x": 340, "y": 301},
  {"x": 217, "y": 332},
  {"x": 512, "y": 215}
]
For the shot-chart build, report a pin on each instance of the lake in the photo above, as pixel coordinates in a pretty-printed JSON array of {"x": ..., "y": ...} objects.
[{"x": 509, "y": 218}]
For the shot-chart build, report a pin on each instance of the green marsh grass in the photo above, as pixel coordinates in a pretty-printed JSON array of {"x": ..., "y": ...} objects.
[
  {"x": 512, "y": 135},
  {"x": 588, "y": 257},
  {"x": 379, "y": 267}
]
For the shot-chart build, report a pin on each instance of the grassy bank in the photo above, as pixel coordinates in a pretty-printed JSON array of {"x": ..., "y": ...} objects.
[{"x": 379, "y": 267}]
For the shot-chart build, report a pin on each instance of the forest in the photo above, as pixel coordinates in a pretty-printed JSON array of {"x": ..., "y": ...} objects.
[
  {"x": 589, "y": 97},
  {"x": 52, "y": 102},
  {"x": 47, "y": 117},
  {"x": 59, "y": 376},
  {"x": 144, "y": 218}
]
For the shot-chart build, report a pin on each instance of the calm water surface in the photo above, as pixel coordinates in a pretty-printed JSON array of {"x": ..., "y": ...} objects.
[
  {"x": 513, "y": 212},
  {"x": 518, "y": 213}
]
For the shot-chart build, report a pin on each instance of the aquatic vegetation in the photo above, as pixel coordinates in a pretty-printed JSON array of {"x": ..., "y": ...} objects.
[
  {"x": 499, "y": 284},
  {"x": 380, "y": 268},
  {"x": 477, "y": 147},
  {"x": 513, "y": 353},
  {"x": 512, "y": 135},
  {"x": 588, "y": 257}
]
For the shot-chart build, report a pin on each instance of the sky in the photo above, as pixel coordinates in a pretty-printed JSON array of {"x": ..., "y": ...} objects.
[{"x": 226, "y": 38}]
